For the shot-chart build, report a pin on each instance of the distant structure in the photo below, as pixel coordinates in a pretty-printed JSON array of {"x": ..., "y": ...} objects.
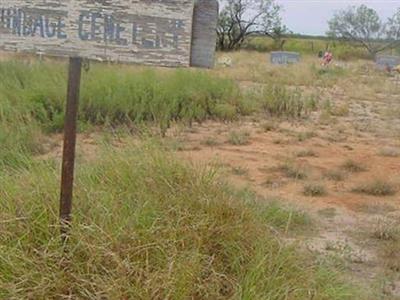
[
  {"x": 387, "y": 62},
  {"x": 284, "y": 57}
]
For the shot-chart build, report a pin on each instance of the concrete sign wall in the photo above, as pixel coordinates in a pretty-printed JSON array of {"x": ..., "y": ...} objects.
[
  {"x": 155, "y": 32},
  {"x": 387, "y": 61},
  {"x": 204, "y": 36},
  {"x": 284, "y": 58}
]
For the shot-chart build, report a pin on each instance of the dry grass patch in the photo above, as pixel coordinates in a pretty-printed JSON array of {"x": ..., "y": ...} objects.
[
  {"x": 210, "y": 141},
  {"x": 387, "y": 230},
  {"x": 304, "y": 136},
  {"x": 269, "y": 126},
  {"x": 314, "y": 190},
  {"x": 389, "y": 152},
  {"x": 376, "y": 187},
  {"x": 306, "y": 153},
  {"x": 391, "y": 255},
  {"x": 293, "y": 170},
  {"x": 353, "y": 166},
  {"x": 335, "y": 175},
  {"x": 240, "y": 171}
]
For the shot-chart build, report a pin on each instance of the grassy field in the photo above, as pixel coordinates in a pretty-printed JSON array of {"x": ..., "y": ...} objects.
[
  {"x": 150, "y": 223},
  {"x": 342, "y": 50},
  {"x": 147, "y": 226}
]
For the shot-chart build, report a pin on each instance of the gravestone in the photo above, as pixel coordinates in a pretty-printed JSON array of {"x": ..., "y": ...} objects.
[
  {"x": 384, "y": 62},
  {"x": 153, "y": 32},
  {"x": 284, "y": 57}
]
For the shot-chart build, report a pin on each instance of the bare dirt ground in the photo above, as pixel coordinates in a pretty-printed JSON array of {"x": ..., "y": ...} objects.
[{"x": 317, "y": 153}]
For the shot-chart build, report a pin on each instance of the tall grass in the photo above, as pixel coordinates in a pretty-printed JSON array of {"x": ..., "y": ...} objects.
[
  {"x": 115, "y": 94},
  {"x": 32, "y": 100},
  {"x": 147, "y": 226}
]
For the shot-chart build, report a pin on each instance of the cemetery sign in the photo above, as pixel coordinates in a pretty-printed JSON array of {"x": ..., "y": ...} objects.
[{"x": 153, "y": 32}]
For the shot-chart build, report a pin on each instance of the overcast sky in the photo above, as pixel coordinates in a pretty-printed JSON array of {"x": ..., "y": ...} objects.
[{"x": 311, "y": 16}]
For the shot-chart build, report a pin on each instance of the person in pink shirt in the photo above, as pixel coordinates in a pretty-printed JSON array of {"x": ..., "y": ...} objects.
[{"x": 327, "y": 59}]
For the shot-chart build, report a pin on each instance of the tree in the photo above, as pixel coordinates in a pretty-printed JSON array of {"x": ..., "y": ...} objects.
[
  {"x": 363, "y": 25},
  {"x": 393, "y": 27},
  {"x": 238, "y": 19}
]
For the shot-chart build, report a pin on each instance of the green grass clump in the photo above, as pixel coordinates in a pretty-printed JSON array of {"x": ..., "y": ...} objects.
[
  {"x": 146, "y": 226},
  {"x": 376, "y": 187},
  {"x": 239, "y": 137},
  {"x": 280, "y": 102}
]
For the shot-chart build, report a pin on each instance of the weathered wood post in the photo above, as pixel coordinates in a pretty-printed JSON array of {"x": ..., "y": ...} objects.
[{"x": 68, "y": 160}]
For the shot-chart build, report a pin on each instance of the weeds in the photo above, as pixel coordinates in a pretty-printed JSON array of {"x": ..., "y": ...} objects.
[
  {"x": 391, "y": 255},
  {"x": 314, "y": 190},
  {"x": 304, "y": 136},
  {"x": 239, "y": 137},
  {"x": 386, "y": 230},
  {"x": 353, "y": 166},
  {"x": 280, "y": 102},
  {"x": 377, "y": 187},
  {"x": 293, "y": 170},
  {"x": 210, "y": 141},
  {"x": 33, "y": 97},
  {"x": 335, "y": 175},
  {"x": 239, "y": 171},
  {"x": 269, "y": 126},
  {"x": 306, "y": 153},
  {"x": 147, "y": 226}
]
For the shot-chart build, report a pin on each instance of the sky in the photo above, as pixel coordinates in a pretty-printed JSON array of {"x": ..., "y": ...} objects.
[{"x": 311, "y": 16}]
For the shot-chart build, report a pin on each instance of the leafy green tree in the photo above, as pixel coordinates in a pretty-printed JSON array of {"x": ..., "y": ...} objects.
[
  {"x": 364, "y": 26},
  {"x": 238, "y": 19}
]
